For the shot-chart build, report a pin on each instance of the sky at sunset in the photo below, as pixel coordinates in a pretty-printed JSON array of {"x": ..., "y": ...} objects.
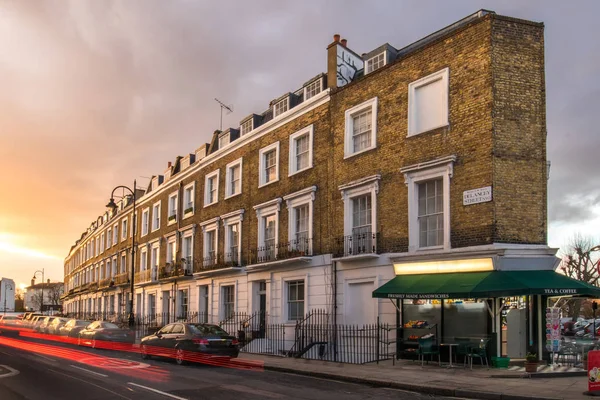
[{"x": 94, "y": 94}]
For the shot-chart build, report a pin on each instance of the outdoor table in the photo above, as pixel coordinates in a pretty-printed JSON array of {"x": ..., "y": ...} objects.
[{"x": 449, "y": 345}]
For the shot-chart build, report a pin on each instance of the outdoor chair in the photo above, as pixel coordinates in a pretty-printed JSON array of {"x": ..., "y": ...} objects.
[
  {"x": 462, "y": 349},
  {"x": 426, "y": 347},
  {"x": 479, "y": 352}
]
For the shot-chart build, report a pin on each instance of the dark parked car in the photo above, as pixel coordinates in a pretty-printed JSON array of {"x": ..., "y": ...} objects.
[
  {"x": 72, "y": 328},
  {"x": 180, "y": 338},
  {"x": 102, "y": 331}
]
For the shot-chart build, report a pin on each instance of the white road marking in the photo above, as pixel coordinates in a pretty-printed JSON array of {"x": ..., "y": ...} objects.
[
  {"x": 11, "y": 371},
  {"x": 46, "y": 358},
  {"x": 91, "y": 372},
  {"x": 157, "y": 391},
  {"x": 89, "y": 383}
]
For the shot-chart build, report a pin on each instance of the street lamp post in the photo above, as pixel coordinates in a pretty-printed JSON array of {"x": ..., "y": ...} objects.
[
  {"x": 111, "y": 204},
  {"x": 42, "y": 301},
  {"x": 7, "y": 287}
]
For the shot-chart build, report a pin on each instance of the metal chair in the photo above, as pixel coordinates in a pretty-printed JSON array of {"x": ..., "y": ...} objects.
[
  {"x": 479, "y": 352},
  {"x": 426, "y": 347},
  {"x": 462, "y": 349}
]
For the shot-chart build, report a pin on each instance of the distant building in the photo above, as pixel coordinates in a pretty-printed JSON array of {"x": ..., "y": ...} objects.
[
  {"x": 7, "y": 294},
  {"x": 52, "y": 292}
]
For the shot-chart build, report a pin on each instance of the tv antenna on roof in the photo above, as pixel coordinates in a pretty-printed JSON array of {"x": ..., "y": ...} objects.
[{"x": 229, "y": 109}]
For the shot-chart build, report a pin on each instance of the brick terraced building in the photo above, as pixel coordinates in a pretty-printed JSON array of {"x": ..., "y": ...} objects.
[{"x": 430, "y": 153}]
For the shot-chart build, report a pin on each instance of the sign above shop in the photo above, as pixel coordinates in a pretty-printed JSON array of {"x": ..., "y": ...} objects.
[
  {"x": 481, "y": 195},
  {"x": 444, "y": 266},
  {"x": 418, "y": 296}
]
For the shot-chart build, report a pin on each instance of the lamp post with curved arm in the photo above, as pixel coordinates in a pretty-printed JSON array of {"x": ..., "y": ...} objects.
[
  {"x": 7, "y": 287},
  {"x": 111, "y": 204},
  {"x": 42, "y": 301}
]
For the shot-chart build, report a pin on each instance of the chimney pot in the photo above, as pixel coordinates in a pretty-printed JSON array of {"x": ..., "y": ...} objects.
[
  {"x": 169, "y": 165},
  {"x": 47, "y": 280},
  {"x": 344, "y": 42},
  {"x": 32, "y": 282},
  {"x": 336, "y": 37}
]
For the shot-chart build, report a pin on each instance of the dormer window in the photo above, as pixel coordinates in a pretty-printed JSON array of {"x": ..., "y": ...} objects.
[
  {"x": 223, "y": 140},
  {"x": 375, "y": 63},
  {"x": 246, "y": 126},
  {"x": 281, "y": 107},
  {"x": 313, "y": 88}
]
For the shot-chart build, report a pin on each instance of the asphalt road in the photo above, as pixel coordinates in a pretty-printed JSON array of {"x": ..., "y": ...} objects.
[{"x": 38, "y": 369}]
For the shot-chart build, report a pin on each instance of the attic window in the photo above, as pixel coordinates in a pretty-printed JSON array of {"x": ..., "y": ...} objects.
[
  {"x": 223, "y": 140},
  {"x": 376, "y": 62},
  {"x": 312, "y": 89},
  {"x": 246, "y": 127},
  {"x": 281, "y": 107}
]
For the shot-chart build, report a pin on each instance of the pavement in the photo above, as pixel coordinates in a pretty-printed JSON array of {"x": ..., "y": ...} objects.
[{"x": 479, "y": 383}]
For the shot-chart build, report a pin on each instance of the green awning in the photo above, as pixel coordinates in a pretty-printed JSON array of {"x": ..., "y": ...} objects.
[{"x": 484, "y": 285}]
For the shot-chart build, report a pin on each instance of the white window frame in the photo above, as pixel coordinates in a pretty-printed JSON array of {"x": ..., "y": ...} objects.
[
  {"x": 124, "y": 224},
  {"x": 173, "y": 259},
  {"x": 262, "y": 165},
  {"x": 369, "y": 63},
  {"x": 222, "y": 141},
  {"x": 214, "y": 174},
  {"x": 277, "y": 113},
  {"x": 102, "y": 243},
  {"x": 292, "y": 165},
  {"x": 211, "y": 225},
  {"x": 143, "y": 259},
  {"x": 229, "y": 176},
  {"x": 294, "y": 200},
  {"x": 235, "y": 217},
  {"x": 368, "y": 185},
  {"x": 193, "y": 200},
  {"x": 115, "y": 234},
  {"x": 172, "y": 211},
  {"x": 284, "y": 297},
  {"x": 349, "y": 126},
  {"x": 413, "y": 176},
  {"x": 414, "y": 86},
  {"x": 222, "y": 303},
  {"x": 123, "y": 268},
  {"x": 155, "y": 245},
  {"x": 188, "y": 234},
  {"x": 154, "y": 219},
  {"x": 109, "y": 237},
  {"x": 146, "y": 223},
  {"x": 244, "y": 126},
  {"x": 264, "y": 210},
  {"x": 309, "y": 89}
]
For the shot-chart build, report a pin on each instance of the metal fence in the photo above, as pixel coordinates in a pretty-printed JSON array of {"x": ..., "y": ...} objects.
[{"x": 313, "y": 337}]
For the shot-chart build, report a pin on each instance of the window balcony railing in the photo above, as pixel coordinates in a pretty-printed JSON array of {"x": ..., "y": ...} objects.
[
  {"x": 356, "y": 244},
  {"x": 217, "y": 261},
  {"x": 121, "y": 278},
  {"x": 175, "y": 270},
  {"x": 147, "y": 275},
  {"x": 106, "y": 282},
  {"x": 301, "y": 247}
]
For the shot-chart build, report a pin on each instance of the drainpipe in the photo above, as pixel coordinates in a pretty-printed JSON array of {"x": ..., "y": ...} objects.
[{"x": 335, "y": 349}]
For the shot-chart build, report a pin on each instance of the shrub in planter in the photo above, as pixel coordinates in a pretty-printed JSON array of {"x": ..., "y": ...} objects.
[{"x": 531, "y": 362}]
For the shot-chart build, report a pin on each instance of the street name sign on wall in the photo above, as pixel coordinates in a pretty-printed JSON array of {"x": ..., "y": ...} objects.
[{"x": 481, "y": 195}]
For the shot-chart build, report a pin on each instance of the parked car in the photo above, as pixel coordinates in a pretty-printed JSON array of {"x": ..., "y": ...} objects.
[
  {"x": 102, "y": 331},
  {"x": 28, "y": 318},
  {"x": 55, "y": 324},
  {"x": 9, "y": 320},
  {"x": 42, "y": 326},
  {"x": 72, "y": 328},
  {"x": 179, "y": 338}
]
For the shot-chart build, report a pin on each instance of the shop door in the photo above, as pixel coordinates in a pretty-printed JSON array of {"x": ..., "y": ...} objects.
[{"x": 516, "y": 337}]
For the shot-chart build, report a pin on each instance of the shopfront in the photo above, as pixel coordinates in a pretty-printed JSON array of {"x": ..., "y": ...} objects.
[{"x": 470, "y": 300}]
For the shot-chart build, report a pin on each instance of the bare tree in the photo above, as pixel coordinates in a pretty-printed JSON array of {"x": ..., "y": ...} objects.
[
  {"x": 54, "y": 293},
  {"x": 36, "y": 300},
  {"x": 579, "y": 262}
]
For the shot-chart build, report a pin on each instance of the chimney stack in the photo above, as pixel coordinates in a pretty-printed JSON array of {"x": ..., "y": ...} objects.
[
  {"x": 48, "y": 281},
  {"x": 342, "y": 63},
  {"x": 32, "y": 282}
]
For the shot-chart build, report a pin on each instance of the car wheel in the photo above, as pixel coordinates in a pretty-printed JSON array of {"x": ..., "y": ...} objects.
[
  {"x": 144, "y": 352},
  {"x": 179, "y": 357}
]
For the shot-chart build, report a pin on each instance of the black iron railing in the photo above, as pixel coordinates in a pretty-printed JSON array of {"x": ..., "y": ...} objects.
[
  {"x": 357, "y": 244},
  {"x": 301, "y": 247}
]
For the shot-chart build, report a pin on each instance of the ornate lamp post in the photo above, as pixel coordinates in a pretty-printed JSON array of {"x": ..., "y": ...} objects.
[
  {"x": 7, "y": 287},
  {"x": 42, "y": 301},
  {"x": 111, "y": 204}
]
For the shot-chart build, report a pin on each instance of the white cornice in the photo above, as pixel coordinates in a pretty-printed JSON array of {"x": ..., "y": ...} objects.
[
  {"x": 429, "y": 164},
  {"x": 269, "y": 203}
]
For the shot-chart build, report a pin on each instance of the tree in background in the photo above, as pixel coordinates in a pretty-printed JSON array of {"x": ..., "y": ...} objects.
[
  {"x": 54, "y": 293},
  {"x": 580, "y": 262}
]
